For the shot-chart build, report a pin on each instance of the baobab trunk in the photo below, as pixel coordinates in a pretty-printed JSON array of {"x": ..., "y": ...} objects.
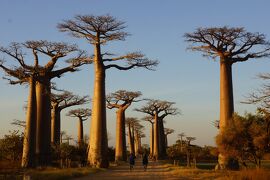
[
  {"x": 43, "y": 143},
  {"x": 80, "y": 132},
  {"x": 152, "y": 139},
  {"x": 120, "y": 146},
  {"x": 226, "y": 94},
  {"x": 226, "y": 102},
  {"x": 29, "y": 142},
  {"x": 98, "y": 142},
  {"x": 162, "y": 143},
  {"x": 56, "y": 126},
  {"x": 156, "y": 151},
  {"x": 130, "y": 140}
]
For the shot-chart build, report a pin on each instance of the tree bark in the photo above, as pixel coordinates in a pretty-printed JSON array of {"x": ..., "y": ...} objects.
[
  {"x": 226, "y": 94},
  {"x": 120, "y": 146},
  {"x": 152, "y": 139},
  {"x": 98, "y": 142},
  {"x": 56, "y": 125},
  {"x": 226, "y": 102},
  {"x": 80, "y": 132},
  {"x": 29, "y": 143},
  {"x": 156, "y": 151},
  {"x": 162, "y": 143},
  {"x": 43, "y": 143},
  {"x": 130, "y": 140}
]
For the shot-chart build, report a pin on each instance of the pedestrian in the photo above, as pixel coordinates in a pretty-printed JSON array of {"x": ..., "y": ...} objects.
[
  {"x": 131, "y": 161},
  {"x": 145, "y": 161}
]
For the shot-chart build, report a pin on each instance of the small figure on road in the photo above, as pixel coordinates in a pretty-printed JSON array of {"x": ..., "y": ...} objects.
[
  {"x": 145, "y": 161},
  {"x": 131, "y": 161}
]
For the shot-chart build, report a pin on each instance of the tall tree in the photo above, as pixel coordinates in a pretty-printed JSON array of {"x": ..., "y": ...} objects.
[
  {"x": 181, "y": 135},
  {"x": 38, "y": 77},
  {"x": 151, "y": 121},
  {"x": 188, "y": 149},
  {"x": 121, "y": 100},
  {"x": 98, "y": 31},
  {"x": 231, "y": 45},
  {"x": 159, "y": 110},
  {"x": 59, "y": 102},
  {"x": 130, "y": 122},
  {"x": 167, "y": 131},
  {"x": 82, "y": 115}
]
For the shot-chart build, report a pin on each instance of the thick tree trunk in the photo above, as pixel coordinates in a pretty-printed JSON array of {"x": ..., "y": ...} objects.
[
  {"x": 130, "y": 140},
  {"x": 166, "y": 140},
  {"x": 136, "y": 144},
  {"x": 156, "y": 152},
  {"x": 162, "y": 143},
  {"x": 80, "y": 132},
  {"x": 98, "y": 142},
  {"x": 56, "y": 125},
  {"x": 120, "y": 146},
  {"x": 29, "y": 142},
  {"x": 43, "y": 143},
  {"x": 226, "y": 94},
  {"x": 226, "y": 102}
]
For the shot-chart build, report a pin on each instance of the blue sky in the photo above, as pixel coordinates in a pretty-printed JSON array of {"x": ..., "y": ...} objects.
[{"x": 157, "y": 28}]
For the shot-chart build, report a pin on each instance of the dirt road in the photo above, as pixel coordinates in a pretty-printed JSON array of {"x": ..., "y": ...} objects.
[{"x": 154, "y": 171}]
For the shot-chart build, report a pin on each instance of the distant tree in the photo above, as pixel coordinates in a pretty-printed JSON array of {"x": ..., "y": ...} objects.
[
  {"x": 130, "y": 123},
  {"x": 98, "y": 31},
  {"x": 188, "y": 149},
  {"x": 19, "y": 123},
  {"x": 151, "y": 121},
  {"x": 181, "y": 135},
  {"x": 121, "y": 100},
  {"x": 158, "y": 110},
  {"x": 82, "y": 115},
  {"x": 59, "y": 102},
  {"x": 38, "y": 118},
  {"x": 167, "y": 131}
]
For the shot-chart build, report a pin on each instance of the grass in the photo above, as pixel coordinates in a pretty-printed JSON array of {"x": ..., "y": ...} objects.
[{"x": 49, "y": 173}]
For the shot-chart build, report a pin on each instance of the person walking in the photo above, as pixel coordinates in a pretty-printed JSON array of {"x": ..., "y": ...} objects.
[
  {"x": 145, "y": 162},
  {"x": 131, "y": 161}
]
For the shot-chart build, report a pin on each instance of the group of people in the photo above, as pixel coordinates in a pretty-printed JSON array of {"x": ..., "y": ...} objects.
[{"x": 132, "y": 158}]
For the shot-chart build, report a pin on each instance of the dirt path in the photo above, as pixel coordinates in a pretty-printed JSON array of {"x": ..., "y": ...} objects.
[{"x": 154, "y": 171}]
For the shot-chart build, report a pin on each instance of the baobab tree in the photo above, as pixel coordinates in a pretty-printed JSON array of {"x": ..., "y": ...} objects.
[
  {"x": 159, "y": 110},
  {"x": 98, "y": 31},
  {"x": 82, "y": 115},
  {"x": 181, "y": 135},
  {"x": 230, "y": 45},
  {"x": 121, "y": 100},
  {"x": 188, "y": 149},
  {"x": 130, "y": 123},
  {"x": 167, "y": 131},
  {"x": 151, "y": 121},
  {"x": 38, "y": 77},
  {"x": 59, "y": 102},
  {"x": 137, "y": 135}
]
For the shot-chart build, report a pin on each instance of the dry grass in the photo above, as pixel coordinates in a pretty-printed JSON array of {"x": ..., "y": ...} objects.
[{"x": 250, "y": 174}]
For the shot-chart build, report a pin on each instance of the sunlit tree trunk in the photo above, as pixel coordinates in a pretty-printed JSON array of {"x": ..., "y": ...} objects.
[
  {"x": 120, "y": 146},
  {"x": 152, "y": 139},
  {"x": 98, "y": 142},
  {"x": 226, "y": 102},
  {"x": 29, "y": 143},
  {"x": 156, "y": 151},
  {"x": 226, "y": 94},
  {"x": 43, "y": 145},
  {"x": 80, "y": 132},
  {"x": 56, "y": 125}
]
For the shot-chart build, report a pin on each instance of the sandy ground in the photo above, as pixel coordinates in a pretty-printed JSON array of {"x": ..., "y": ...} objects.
[{"x": 154, "y": 171}]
